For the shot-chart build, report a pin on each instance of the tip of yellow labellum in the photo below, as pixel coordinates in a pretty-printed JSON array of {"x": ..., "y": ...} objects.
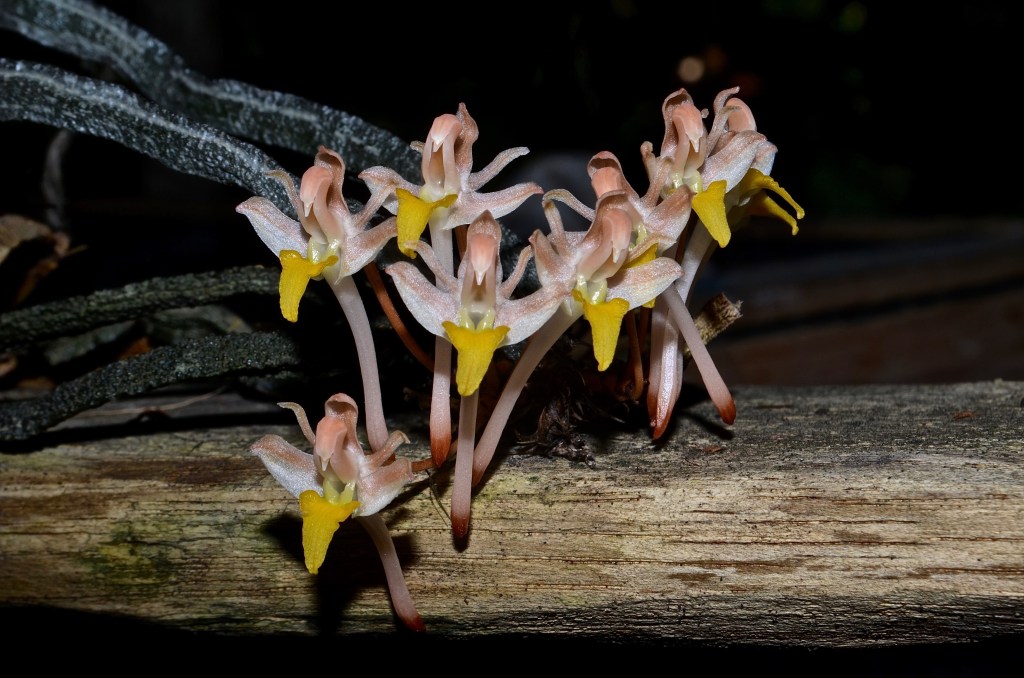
[
  {"x": 296, "y": 272},
  {"x": 764, "y": 205},
  {"x": 413, "y": 215},
  {"x": 709, "y": 205},
  {"x": 475, "y": 350},
  {"x": 761, "y": 204},
  {"x": 605, "y": 320},
  {"x": 320, "y": 520}
]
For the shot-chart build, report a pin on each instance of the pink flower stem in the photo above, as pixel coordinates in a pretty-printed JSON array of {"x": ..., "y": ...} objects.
[
  {"x": 662, "y": 378},
  {"x": 352, "y": 304},
  {"x": 440, "y": 394},
  {"x": 462, "y": 489},
  {"x": 666, "y": 373},
  {"x": 699, "y": 247},
  {"x": 401, "y": 599},
  {"x": 713, "y": 381},
  {"x": 531, "y": 356}
]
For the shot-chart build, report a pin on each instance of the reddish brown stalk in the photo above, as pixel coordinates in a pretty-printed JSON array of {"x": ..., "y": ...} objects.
[
  {"x": 384, "y": 299},
  {"x": 643, "y": 322},
  {"x": 422, "y": 465},
  {"x": 416, "y": 466}
]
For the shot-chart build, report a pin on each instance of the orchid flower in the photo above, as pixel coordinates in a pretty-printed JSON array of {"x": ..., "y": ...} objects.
[
  {"x": 724, "y": 169},
  {"x": 476, "y": 313},
  {"x": 660, "y": 217},
  {"x": 448, "y": 197},
  {"x": 337, "y": 481},
  {"x": 331, "y": 243},
  {"x": 603, "y": 273},
  {"x": 726, "y": 175},
  {"x": 611, "y": 268}
]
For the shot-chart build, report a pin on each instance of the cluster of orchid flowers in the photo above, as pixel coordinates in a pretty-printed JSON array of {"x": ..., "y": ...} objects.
[{"x": 639, "y": 251}]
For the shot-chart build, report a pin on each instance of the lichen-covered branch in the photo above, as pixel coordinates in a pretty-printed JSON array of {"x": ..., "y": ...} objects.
[
  {"x": 829, "y": 517},
  {"x": 94, "y": 33},
  {"x": 79, "y": 314},
  {"x": 47, "y": 95},
  {"x": 215, "y": 356}
]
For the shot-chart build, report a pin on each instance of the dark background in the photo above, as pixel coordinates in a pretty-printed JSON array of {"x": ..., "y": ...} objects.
[
  {"x": 877, "y": 108},
  {"x": 889, "y": 118}
]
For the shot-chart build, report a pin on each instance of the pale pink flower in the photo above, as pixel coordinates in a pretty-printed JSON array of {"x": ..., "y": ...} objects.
[
  {"x": 337, "y": 481},
  {"x": 604, "y": 275},
  {"x": 724, "y": 175},
  {"x": 327, "y": 241},
  {"x": 450, "y": 193},
  {"x": 476, "y": 313}
]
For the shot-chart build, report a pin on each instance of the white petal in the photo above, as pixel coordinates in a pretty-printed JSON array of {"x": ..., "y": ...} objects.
[
  {"x": 277, "y": 231},
  {"x": 294, "y": 469},
  {"x": 525, "y": 316},
  {"x": 428, "y": 305},
  {"x": 640, "y": 284},
  {"x": 733, "y": 161}
]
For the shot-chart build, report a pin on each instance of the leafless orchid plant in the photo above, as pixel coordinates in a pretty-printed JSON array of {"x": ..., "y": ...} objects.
[{"x": 630, "y": 275}]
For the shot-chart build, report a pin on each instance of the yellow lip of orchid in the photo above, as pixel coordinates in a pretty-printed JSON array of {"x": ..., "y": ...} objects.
[
  {"x": 605, "y": 318},
  {"x": 320, "y": 520},
  {"x": 475, "y": 347},
  {"x": 758, "y": 183},
  {"x": 296, "y": 272},
  {"x": 414, "y": 214},
  {"x": 709, "y": 205}
]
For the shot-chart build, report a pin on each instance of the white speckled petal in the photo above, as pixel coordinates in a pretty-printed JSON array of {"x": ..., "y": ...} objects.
[
  {"x": 277, "y": 231},
  {"x": 429, "y": 305},
  {"x": 293, "y": 468}
]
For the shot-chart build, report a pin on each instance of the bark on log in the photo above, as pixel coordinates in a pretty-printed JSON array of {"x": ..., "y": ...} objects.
[{"x": 825, "y": 517}]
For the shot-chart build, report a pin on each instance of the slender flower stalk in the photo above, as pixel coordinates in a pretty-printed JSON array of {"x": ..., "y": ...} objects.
[{"x": 462, "y": 484}]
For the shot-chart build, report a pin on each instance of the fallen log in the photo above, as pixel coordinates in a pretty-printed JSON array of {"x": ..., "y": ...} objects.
[{"x": 824, "y": 517}]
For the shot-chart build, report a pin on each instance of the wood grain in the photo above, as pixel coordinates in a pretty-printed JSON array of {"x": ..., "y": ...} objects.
[{"x": 825, "y": 517}]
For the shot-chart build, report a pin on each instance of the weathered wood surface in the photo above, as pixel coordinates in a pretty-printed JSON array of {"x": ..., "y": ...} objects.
[{"x": 826, "y": 517}]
